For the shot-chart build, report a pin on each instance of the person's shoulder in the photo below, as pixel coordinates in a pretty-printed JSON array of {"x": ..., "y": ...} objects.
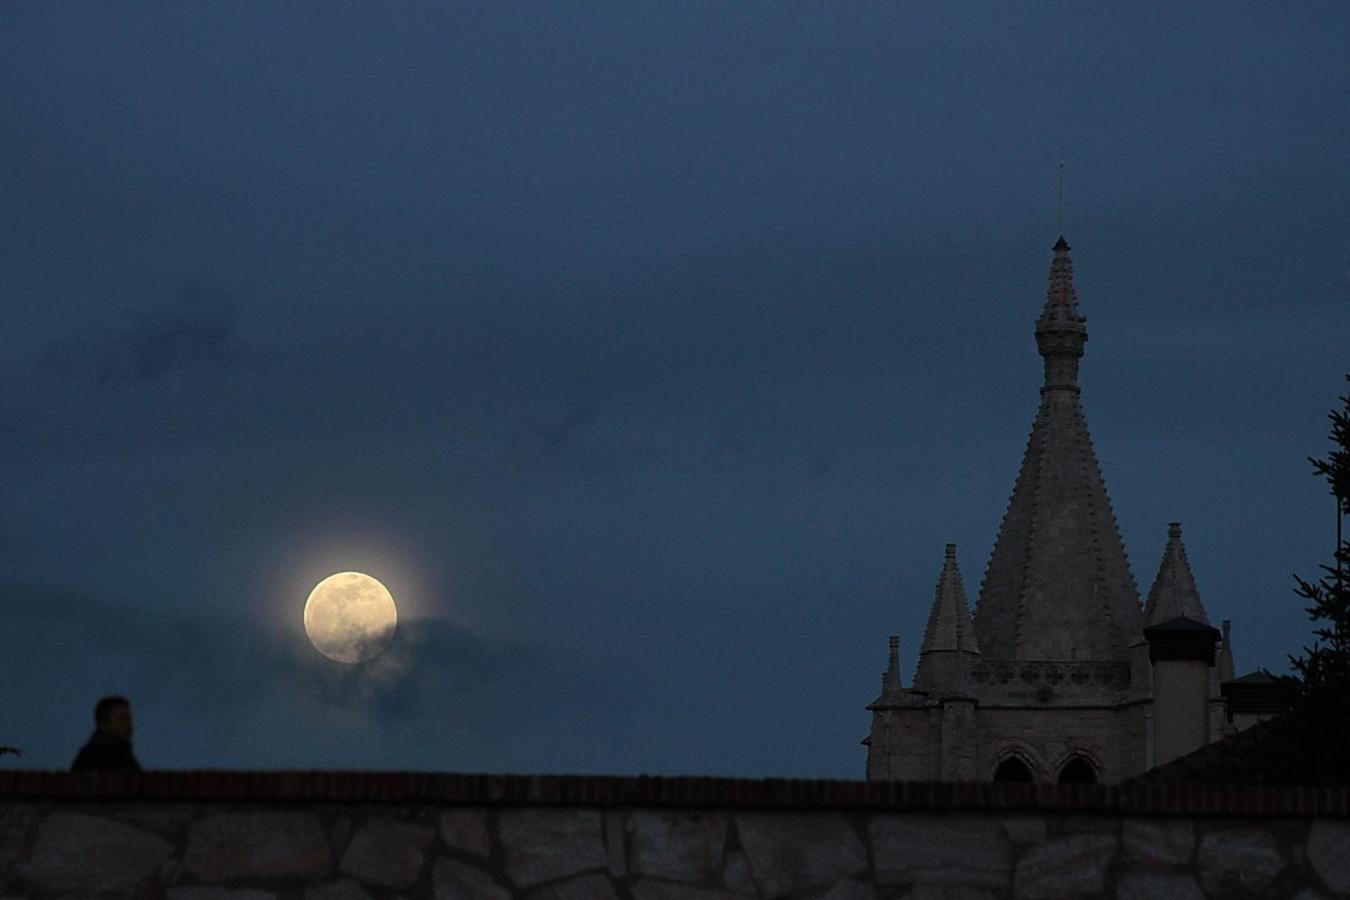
[
  {"x": 104, "y": 753},
  {"x": 87, "y": 758}
]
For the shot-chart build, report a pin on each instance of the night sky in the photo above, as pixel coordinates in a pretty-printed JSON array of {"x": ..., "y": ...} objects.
[{"x": 650, "y": 354}]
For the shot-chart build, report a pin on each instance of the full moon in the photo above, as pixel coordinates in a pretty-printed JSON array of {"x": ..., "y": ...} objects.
[{"x": 350, "y": 617}]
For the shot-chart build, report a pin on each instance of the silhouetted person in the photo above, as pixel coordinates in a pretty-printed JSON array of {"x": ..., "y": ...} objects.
[{"x": 109, "y": 748}]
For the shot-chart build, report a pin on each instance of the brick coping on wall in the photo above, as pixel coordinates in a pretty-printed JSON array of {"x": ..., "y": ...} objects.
[{"x": 659, "y": 791}]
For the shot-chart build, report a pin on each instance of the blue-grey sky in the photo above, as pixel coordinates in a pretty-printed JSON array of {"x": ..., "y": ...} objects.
[{"x": 650, "y": 353}]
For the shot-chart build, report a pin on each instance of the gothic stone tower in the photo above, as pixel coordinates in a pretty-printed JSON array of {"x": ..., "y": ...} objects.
[{"x": 1053, "y": 679}]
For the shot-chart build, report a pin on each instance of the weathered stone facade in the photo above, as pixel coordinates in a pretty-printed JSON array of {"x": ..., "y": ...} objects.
[
  {"x": 263, "y": 836},
  {"x": 1052, "y": 676}
]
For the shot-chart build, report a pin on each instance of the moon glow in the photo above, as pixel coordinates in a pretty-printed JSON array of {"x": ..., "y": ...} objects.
[{"x": 350, "y": 617}]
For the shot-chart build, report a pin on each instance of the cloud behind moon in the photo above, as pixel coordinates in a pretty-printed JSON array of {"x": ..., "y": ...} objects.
[{"x": 350, "y": 617}]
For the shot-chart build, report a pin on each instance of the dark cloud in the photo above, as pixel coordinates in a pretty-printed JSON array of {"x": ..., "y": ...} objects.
[
  {"x": 556, "y": 434},
  {"x": 198, "y": 332}
]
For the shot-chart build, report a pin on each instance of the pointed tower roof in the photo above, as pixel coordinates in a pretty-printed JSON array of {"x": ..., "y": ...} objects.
[
  {"x": 1058, "y": 585},
  {"x": 949, "y": 634},
  {"x": 1173, "y": 593},
  {"x": 891, "y": 677}
]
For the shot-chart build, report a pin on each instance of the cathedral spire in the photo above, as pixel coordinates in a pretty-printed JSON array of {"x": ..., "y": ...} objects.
[
  {"x": 949, "y": 637},
  {"x": 1060, "y": 331},
  {"x": 1174, "y": 593},
  {"x": 1058, "y": 585}
]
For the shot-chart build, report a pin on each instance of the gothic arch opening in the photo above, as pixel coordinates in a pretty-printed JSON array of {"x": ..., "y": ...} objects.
[
  {"x": 1012, "y": 769},
  {"x": 1078, "y": 771}
]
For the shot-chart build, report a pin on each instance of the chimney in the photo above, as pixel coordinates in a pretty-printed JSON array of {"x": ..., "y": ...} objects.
[{"x": 1182, "y": 653}]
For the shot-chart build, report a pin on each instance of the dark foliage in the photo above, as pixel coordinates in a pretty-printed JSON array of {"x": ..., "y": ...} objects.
[{"x": 1322, "y": 704}]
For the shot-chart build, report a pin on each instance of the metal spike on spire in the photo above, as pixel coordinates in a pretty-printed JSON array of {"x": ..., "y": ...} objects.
[{"x": 1061, "y": 193}]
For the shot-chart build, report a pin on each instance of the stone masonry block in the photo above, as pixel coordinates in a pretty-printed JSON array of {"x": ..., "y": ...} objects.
[
  {"x": 1238, "y": 860},
  {"x": 664, "y": 890},
  {"x": 1025, "y": 829},
  {"x": 616, "y": 843},
  {"x": 346, "y": 889},
  {"x": 848, "y": 889},
  {"x": 257, "y": 845},
  {"x": 15, "y": 821},
  {"x": 1065, "y": 867},
  {"x": 387, "y": 853},
  {"x": 546, "y": 844},
  {"x": 1329, "y": 853},
  {"x": 943, "y": 892},
  {"x": 465, "y": 829},
  {"x": 212, "y": 892},
  {"x": 679, "y": 846},
  {"x": 585, "y": 887},
  {"x": 168, "y": 818},
  {"x": 736, "y": 874},
  {"x": 1158, "y": 886},
  {"x": 790, "y": 852},
  {"x": 88, "y": 854},
  {"x": 951, "y": 850},
  {"x": 1158, "y": 843},
  {"x": 455, "y": 880}
]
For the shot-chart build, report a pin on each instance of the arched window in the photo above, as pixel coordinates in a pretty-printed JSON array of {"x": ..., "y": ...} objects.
[
  {"x": 1078, "y": 771},
  {"x": 1012, "y": 769}
]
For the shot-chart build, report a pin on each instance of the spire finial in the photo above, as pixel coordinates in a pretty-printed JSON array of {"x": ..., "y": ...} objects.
[{"x": 1061, "y": 330}]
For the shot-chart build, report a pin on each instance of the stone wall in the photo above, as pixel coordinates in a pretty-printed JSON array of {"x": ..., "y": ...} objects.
[{"x": 347, "y": 836}]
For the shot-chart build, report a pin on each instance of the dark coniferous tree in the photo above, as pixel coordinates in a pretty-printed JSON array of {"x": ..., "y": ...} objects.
[{"x": 1323, "y": 690}]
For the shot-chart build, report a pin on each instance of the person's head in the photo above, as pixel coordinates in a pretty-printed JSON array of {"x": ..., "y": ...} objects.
[{"x": 112, "y": 716}]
